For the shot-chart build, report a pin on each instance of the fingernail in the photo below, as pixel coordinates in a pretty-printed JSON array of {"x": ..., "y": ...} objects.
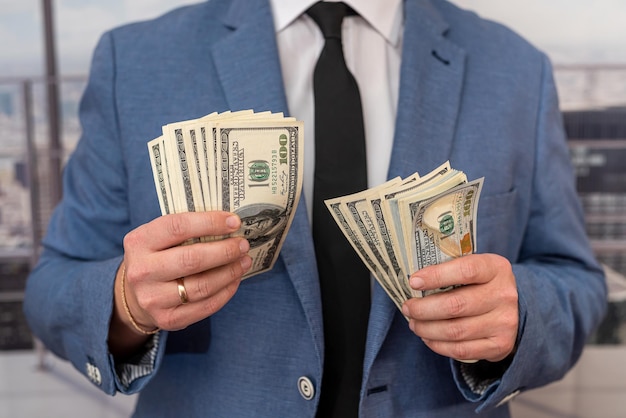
[
  {"x": 405, "y": 310},
  {"x": 244, "y": 246},
  {"x": 246, "y": 263},
  {"x": 416, "y": 283},
  {"x": 232, "y": 222}
]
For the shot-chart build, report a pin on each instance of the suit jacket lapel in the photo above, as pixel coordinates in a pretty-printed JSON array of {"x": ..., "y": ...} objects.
[
  {"x": 248, "y": 66},
  {"x": 247, "y": 59},
  {"x": 430, "y": 89},
  {"x": 431, "y": 82}
]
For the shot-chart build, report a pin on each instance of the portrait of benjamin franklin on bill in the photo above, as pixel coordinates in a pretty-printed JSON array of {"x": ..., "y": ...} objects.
[{"x": 262, "y": 225}]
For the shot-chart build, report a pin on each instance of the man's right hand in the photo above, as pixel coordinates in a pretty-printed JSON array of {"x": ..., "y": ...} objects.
[{"x": 154, "y": 260}]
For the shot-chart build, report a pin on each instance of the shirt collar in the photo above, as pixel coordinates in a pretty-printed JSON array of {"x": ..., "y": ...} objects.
[{"x": 385, "y": 16}]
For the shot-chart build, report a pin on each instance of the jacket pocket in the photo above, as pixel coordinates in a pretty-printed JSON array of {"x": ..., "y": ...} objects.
[{"x": 498, "y": 226}]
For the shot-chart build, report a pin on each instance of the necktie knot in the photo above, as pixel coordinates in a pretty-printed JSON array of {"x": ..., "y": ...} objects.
[{"x": 329, "y": 16}]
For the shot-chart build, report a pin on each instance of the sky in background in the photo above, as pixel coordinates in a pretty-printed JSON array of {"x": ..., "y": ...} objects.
[{"x": 570, "y": 31}]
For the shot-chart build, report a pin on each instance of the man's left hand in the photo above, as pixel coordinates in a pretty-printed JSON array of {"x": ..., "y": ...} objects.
[{"x": 478, "y": 320}]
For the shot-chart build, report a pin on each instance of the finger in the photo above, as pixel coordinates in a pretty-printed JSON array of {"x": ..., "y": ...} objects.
[
  {"x": 491, "y": 349},
  {"x": 449, "y": 337},
  {"x": 500, "y": 323},
  {"x": 157, "y": 301},
  {"x": 184, "y": 315},
  {"x": 454, "y": 330},
  {"x": 201, "y": 287},
  {"x": 454, "y": 303},
  {"x": 471, "y": 269},
  {"x": 171, "y": 230},
  {"x": 187, "y": 260}
]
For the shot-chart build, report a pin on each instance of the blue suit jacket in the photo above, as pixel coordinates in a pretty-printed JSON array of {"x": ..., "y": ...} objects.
[{"x": 471, "y": 92}]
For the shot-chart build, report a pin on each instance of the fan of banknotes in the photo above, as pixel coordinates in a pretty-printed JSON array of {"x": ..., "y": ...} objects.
[
  {"x": 243, "y": 162},
  {"x": 404, "y": 225}
]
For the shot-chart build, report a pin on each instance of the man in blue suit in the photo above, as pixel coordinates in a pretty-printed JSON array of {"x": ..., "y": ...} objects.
[{"x": 442, "y": 85}]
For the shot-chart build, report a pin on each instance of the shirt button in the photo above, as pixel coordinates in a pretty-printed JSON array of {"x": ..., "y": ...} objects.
[{"x": 305, "y": 386}]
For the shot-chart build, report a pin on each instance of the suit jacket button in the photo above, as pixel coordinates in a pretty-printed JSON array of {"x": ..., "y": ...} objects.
[{"x": 306, "y": 388}]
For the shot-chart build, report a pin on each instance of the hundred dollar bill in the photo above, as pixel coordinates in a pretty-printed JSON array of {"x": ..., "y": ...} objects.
[
  {"x": 185, "y": 146},
  {"x": 244, "y": 162},
  {"x": 405, "y": 206},
  {"x": 260, "y": 179},
  {"x": 202, "y": 145},
  {"x": 389, "y": 247},
  {"x": 444, "y": 227},
  {"x": 392, "y": 213},
  {"x": 160, "y": 174},
  {"x": 384, "y": 233},
  {"x": 214, "y": 148},
  {"x": 408, "y": 224},
  {"x": 365, "y": 221},
  {"x": 334, "y": 206},
  {"x": 360, "y": 223},
  {"x": 183, "y": 164},
  {"x": 210, "y": 148}
]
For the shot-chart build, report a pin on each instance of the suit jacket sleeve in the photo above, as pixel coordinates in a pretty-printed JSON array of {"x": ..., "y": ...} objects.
[
  {"x": 561, "y": 287},
  {"x": 68, "y": 301}
]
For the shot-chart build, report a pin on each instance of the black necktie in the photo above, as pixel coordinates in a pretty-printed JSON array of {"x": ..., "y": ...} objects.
[{"x": 340, "y": 169}]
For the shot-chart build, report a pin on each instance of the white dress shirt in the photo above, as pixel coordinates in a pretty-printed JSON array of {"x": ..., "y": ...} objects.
[{"x": 372, "y": 48}]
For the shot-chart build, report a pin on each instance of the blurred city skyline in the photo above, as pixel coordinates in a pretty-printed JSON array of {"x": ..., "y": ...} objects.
[{"x": 570, "y": 31}]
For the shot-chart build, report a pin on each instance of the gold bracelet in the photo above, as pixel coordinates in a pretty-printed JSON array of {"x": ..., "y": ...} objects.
[{"x": 127, "y": 309}]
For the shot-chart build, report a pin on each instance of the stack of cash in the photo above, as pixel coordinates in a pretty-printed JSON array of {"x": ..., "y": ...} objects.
[
  {"x": 242, "y": 162},
  {"x": 404, "y": 225}
]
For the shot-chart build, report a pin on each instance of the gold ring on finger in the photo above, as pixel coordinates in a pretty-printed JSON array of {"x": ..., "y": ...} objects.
[{"x": 182, "y": 292}]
